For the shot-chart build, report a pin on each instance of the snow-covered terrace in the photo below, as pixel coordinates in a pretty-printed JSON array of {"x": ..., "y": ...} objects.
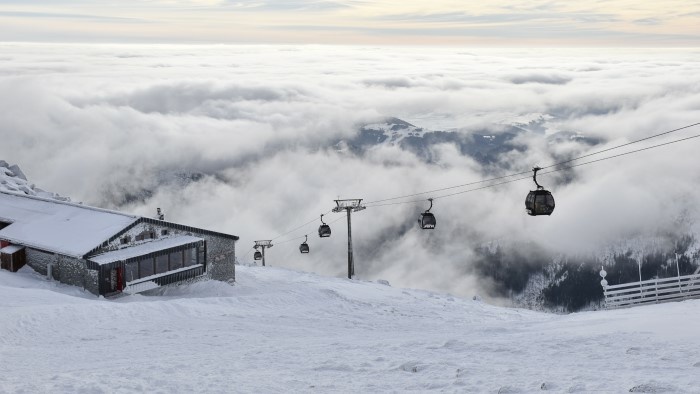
[
  {"x": 56, "y": 226},
  {"x": 144, "y": 249}
]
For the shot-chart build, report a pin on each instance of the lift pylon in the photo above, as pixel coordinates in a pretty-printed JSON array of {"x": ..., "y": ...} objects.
[
  {"x": 351, "y": 205},
  {"x": 262, "y": 245}
]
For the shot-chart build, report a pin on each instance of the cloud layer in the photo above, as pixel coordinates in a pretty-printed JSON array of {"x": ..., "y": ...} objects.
[{"x": 98, "y": 123}]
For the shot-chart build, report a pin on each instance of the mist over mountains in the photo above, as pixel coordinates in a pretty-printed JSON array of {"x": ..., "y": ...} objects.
[{"x": 255, "y": 140}]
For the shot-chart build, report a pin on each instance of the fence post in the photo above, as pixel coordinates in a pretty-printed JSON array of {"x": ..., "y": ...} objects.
[
  {"x": 604, "y": 283},
  {"x": 656, "y": 290},
  {"x": 678, "y": 271}
]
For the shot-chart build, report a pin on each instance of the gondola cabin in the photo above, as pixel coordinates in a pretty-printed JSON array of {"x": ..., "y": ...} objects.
[
  {"x": 427, "y": 221},
  {"x": 539, "y": 202},
  {"x": 324, "y": 231},
  {"x": 257, "y": 255},
  {"x": 304, "y": 247}
]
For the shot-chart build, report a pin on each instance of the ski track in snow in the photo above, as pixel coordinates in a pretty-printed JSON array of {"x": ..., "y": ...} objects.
[{"x": 279, "y": 330}]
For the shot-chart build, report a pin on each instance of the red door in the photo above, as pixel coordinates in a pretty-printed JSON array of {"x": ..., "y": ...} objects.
[{"x": 120, "y": 279}]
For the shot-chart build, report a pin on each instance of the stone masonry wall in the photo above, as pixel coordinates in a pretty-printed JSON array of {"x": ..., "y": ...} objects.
[
  {"x": 74, "y": 272},
  {"x": 68, "y": 270},
  {"x": 39, "y": 260},
  {"x": 221, "y": 258}
]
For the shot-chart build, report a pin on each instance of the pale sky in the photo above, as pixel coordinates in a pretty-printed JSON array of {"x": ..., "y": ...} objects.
[{"x": 633, "y": 23}]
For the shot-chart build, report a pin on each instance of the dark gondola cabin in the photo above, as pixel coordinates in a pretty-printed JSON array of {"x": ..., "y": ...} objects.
[
  {"x": 304, "y": 247},
  {"x": 257, "y": 255},
  {"x": 324, "y": 230},
  {"x": 539, "y": 202},
  {"x": 427, "y": 220}
]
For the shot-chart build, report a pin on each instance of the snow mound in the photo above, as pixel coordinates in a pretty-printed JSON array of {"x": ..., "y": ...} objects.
[{"x": 13, "y": 180}]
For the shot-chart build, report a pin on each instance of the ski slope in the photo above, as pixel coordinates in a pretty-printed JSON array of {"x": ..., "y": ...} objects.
[{"x": 278, "y": 330}]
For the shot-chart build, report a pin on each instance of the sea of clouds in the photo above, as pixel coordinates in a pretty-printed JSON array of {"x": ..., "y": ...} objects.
[{"x": 101, "y": 122}]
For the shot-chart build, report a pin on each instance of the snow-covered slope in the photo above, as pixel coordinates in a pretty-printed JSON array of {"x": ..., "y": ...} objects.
[
  {"x": 393, "y": 131},
  {"x": 12, "y": 179},
  {"x": 283, "y": 331}
]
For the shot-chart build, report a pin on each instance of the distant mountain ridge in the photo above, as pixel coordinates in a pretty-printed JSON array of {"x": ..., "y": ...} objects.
[{"x": 484, "y": 146}]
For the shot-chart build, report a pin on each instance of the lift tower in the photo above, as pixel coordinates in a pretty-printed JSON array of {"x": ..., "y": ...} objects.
[
  {"x": 352, "y": 205},
  {"x": 263, "y": 244}
]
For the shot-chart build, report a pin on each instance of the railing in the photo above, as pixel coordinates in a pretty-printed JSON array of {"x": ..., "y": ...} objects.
[
  {"x": 651, "y": 291},
  {"x": 158, "y": 280}
]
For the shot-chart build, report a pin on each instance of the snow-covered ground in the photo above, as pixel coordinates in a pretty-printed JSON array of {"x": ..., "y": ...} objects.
[{"x": 278, "y": 330}]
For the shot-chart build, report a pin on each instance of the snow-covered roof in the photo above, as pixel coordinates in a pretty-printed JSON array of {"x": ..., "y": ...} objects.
[
  {"x": 11, "y": 249},
  {"x": 57, "y": 226},
  {"x": 143, "y": 249}
]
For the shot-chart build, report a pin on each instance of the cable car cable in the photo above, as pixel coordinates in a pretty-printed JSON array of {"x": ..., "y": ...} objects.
[
  {"x": 302, "y": 236},
  {"x": 543, "y": 173},
  {"x": 373, "y": 204},
  {"x": 578, "y": 165},
  {"x": 623, "y": 145},
  {"x": 246, "y": 253},
  {"x": 300, "y": 226},
  {"x": 527, "y": 172}
]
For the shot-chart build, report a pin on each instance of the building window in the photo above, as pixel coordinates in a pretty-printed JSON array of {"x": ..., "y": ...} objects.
[
  {"x": 125, "y": 240},
  {"x": 176, "y": 260},
  {"x": 162, "y": 264},
  {"x": 132, "y": 271},
  {"x": 164, "y": 232},
  {"x": 146, "y": 234},
  {"x": 190, "y": 257},
  {"x": 146, "y": 267}
]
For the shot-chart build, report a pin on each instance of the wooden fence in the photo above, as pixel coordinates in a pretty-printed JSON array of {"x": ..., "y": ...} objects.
[{"x": 652, "y": 291}]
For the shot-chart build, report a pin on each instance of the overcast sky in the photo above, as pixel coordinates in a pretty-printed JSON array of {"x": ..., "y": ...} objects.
[{"x": 508, "y": 23}]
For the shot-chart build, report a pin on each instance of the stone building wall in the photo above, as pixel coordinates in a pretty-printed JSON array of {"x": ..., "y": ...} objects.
[
  {"x": 74, "y": 272},
  {"x": 39, "y": 260},
  {"x": 221, "y": 258},
  {"x": 91, "y": 281},
  {"x": 65, "y": 269}
]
